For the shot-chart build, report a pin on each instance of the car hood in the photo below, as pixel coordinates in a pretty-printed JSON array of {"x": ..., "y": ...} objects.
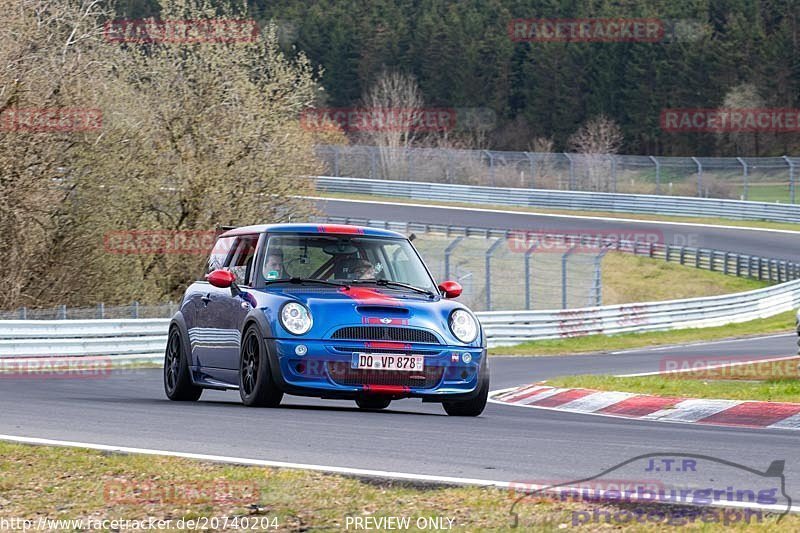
[{"x": 333, "y": 308}]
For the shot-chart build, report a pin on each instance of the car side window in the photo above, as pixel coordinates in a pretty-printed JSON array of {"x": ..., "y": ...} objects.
[
  {"x": 220, "y": 254},
  {"x": 241, "y": 262}
]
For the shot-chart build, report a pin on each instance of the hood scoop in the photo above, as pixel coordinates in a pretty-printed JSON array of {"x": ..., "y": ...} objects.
[{"x": 382, "y": 310}]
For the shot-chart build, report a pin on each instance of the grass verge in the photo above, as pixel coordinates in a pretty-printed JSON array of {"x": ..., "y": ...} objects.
[
  {"x": 72, "y": 484},
  {"x": 764, "y": 224},
  {"x": 783, "y": 322}
]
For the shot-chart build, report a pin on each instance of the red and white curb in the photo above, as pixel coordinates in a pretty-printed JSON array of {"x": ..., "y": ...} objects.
[{"x": 738, "y": 413}]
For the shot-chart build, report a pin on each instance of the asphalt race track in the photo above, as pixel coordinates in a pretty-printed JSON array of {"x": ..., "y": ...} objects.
[
  {"x": 507, "y": 443},
  {"x": 778, "y": 245}
]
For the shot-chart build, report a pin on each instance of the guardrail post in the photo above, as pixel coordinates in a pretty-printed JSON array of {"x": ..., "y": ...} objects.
[
  {"x": 101, "y": 310},
  {"x": 697, "y": 254},
  {"x": 725, "y": 264},
  {"x": 791, "y": 177},
  {"x": 564, "y": 276},
  {"x": 683, "y": 255},
  {"x": 62, "y": 312},
  {"x": 528, "y": 253},
  {"x": 23, "y": 313},
  {"x": 135, "y": 309},
  {"x": 667, "y": 249},
  {"x": 658, "y": 174},
  {"x": 699, "y": 177},
  {"x": 745, "y": 174},
  {"x": 447, "y": 252},
  {"x": 489, "y": 253},
  {"x": 760, "y": 268}
]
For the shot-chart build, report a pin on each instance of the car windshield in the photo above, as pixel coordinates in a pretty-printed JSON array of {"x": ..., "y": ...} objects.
[{"x": 346, "y": 259}]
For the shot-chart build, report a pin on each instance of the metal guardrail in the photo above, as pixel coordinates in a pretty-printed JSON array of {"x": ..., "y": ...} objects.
[
  {"x": 503, "y": 328},
  {"x": 571, "y": 200},
  {"x": 726, "y": 262},
  {"x": 90, "y": 337}
]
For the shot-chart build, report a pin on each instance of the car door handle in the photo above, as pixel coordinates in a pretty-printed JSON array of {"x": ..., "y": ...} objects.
[{"x": 206, "y": 299}]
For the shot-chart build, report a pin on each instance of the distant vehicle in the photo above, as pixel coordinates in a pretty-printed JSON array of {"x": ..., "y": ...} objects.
[{"x": 330, "y": 311}]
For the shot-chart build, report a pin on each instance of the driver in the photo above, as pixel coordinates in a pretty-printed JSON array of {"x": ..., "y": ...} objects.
[
  {"x": 274, "y": 264},
  {"x": 364, "y": 270}
]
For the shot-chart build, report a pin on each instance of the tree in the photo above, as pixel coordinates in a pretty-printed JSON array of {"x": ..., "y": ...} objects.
[{"x": 594, "y": 142}]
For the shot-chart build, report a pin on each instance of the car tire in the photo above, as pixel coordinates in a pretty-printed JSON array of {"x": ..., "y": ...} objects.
[
  {"x": 177, "y": 380},
  {"x": 373, "y": 402},
  {"x": 256, "y": 386},
  {"x": 473, "y": 407}
]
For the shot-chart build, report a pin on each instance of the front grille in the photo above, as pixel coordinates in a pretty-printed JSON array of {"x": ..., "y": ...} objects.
[
  {"x": 344, "y": 375},
  {"x": 386, "y": 333}
]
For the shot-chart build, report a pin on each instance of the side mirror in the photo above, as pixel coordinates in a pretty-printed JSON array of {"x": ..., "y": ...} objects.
[
  {"x": 221, "y": 278},
  {"x": 450, "y": 289}
]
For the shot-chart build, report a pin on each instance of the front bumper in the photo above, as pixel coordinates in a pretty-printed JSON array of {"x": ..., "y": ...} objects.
[{"x": 325, "y": 370}]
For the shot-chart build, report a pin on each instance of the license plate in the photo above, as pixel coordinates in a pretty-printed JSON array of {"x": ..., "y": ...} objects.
[{"x": 388, "y": 361}]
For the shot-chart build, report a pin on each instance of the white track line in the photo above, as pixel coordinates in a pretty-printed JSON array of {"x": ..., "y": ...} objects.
[
  {"x": 707, "y": 367},
  {"x": 701, "y": 343},
  {"x": 553, "y": 215},
  {"x": 259, "y": 462},
  {"x": 330, "y": 469}
]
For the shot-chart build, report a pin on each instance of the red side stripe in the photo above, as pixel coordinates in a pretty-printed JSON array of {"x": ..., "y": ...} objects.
[
  {"x": 562, "y": 397},
  {"x": 753, "y": 414},
  {"x": 639, "y": 406}
]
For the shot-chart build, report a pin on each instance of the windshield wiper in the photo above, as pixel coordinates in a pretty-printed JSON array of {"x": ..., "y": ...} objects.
[
  {"x": 387, "y": 283},
  {"x": 300, "y": 281}
]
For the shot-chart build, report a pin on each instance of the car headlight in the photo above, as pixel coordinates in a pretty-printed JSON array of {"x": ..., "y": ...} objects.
[
  {"x": 296, "y": 318},
  {"x": 464, "y": 326}
]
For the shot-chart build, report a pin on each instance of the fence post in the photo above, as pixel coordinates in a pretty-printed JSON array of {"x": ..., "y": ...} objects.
[
  {"x": 791, "y": 177},
  {"x": 699, "y": 177},
  {"x": 23, "y": 313},
  {"x": 598, "y": 276},
  {"x": 725, "y": 265},
  {"x": 571, "y": 171},
  {"x": 135, "y": 309},
  {"x": 528, "y": 253},
  {"x": 745, "y": 174},
  {"x": 532, "y": 160},
  {"x": 101, "y": 310},
  {"x": 613, "y": 172},
  {"x": 564, "y": 276},
  {"x": 658, "y": 174},
  {"x": 447, "y": 252},
  {"x": 62, "y": 312},
  {"x": 491, "y": 165},
  {"x": 489, "y": 253},
  {"x": 336, "y": 160},
  {"x": 373, "y": 163},
  {"x": 683, "y": 254}
]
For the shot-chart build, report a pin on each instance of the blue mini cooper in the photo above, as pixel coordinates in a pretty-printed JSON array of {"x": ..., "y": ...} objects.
[{"x": 329, "y": 311}]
